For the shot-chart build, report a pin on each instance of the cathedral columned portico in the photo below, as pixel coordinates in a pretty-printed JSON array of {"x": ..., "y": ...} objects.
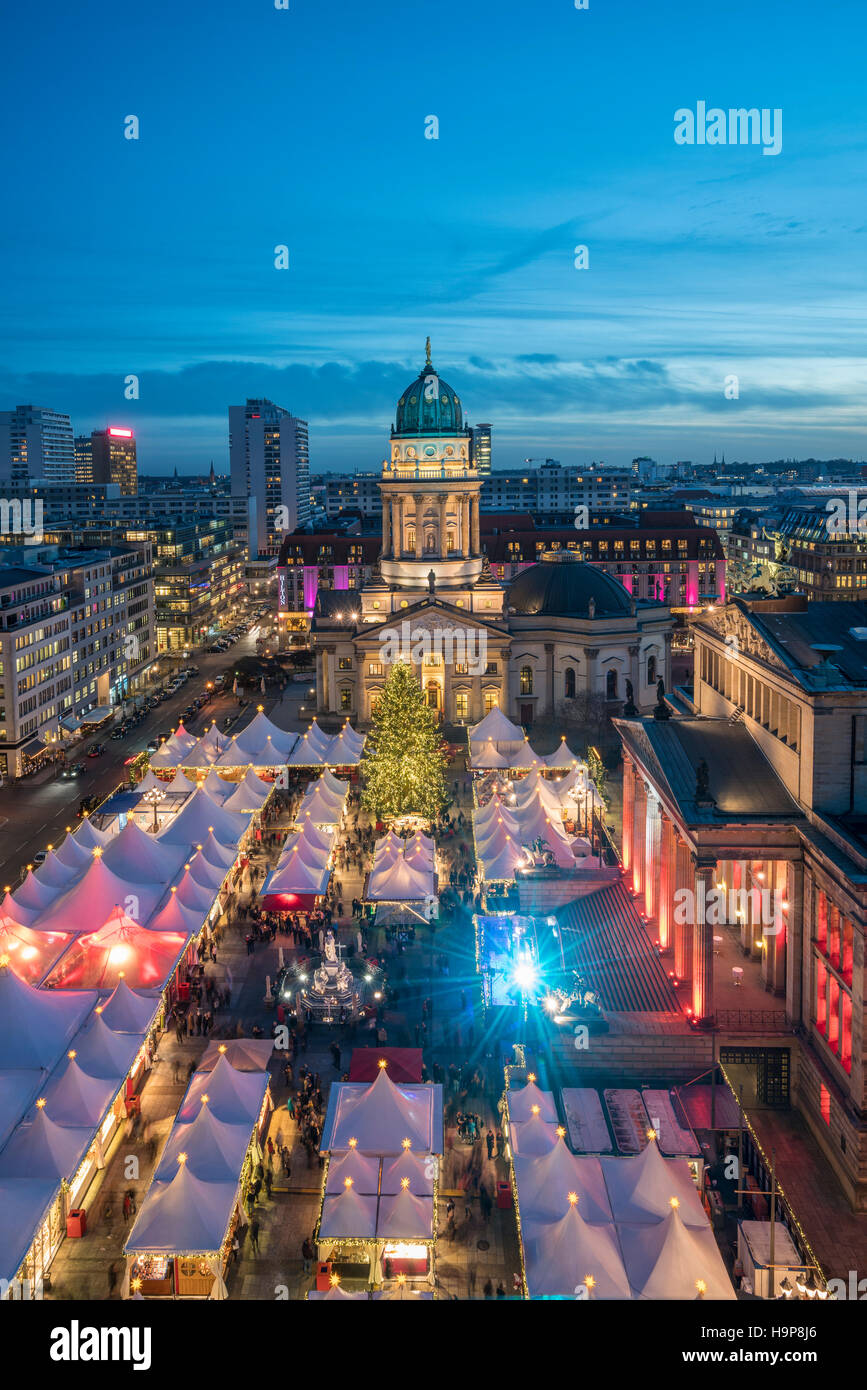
[{"x": 562, "y": 634}]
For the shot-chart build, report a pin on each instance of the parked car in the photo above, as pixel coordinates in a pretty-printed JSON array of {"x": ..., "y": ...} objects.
[
  {"x": 96, "y": 751},
  {"x": 40, "y": 856}
]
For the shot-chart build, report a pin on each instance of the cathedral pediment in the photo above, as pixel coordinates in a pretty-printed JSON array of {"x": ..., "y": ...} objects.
[{"x": 733, "y": 626}]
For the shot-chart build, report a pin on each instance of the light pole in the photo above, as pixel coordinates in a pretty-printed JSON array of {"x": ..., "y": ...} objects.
[{"x": 153, "y": 798}]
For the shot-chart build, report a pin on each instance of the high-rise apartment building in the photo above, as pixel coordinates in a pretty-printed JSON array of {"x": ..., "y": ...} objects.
[
  {"x": 108, "y": 456},
  {"x": 481, "y": 449},
  {"x": 35, "y": 443},
  {"x": 270, "y": 465}
]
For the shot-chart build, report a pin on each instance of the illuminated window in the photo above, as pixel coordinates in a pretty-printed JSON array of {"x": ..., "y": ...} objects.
[
  {"x": 462, "y": 705},
  {"x": 491, "y": 701},
  {"x": 526, "y": 680},
  {"x": 345, "y": 697}
]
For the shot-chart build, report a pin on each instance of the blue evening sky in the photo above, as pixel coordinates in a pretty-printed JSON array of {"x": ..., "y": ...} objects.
[{"x": 306, "y": 127}]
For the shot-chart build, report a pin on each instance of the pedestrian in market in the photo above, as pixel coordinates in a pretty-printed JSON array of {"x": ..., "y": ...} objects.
[
  {"x": 254, "y": 1235},
  {"x": 489, "y": 1140},
  {"x": 268, "y": 1183},
  {"x": 307, "y": 1254}
]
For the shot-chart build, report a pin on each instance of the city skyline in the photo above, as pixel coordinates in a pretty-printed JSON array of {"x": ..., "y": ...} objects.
[{"x": 705, "y": 263}]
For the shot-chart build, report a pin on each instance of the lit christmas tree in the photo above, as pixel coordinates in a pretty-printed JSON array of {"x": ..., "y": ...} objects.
[{"x": 403, "y": 764}]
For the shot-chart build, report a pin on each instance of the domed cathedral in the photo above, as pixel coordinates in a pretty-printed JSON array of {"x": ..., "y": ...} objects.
[{"x": 562, "y": 630}]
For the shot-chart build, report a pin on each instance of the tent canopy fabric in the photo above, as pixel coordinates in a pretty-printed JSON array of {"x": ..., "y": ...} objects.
[
  {"x": 119, "y": 948},
  {"x": 561, "y": 757},
  {"x": 361, "y": 1168},
  {"x": 522, "y": 1099},
  {"x": 198, "y": 817},
  {"x": 399, "y": 881},
  {"x": 420, "y": 1169},
  {"x": 243, "y": 1054},
  {"x": 559, "y": 1256},
  {"x": 380, "y": 1116},
  {"x": 641, "y": 1188},
  {"x": 183, "y": 1216},
  {"x": 405, "y": 1216},
  {"x": 214, "y": 1150},
  {"x": 496, "y": 728},
  {"x": 666, "y": 1260},
  {"x": 36, "y": 1025},
  {"x": 544, "y": 1184},
  {"x": 235, "y": 1097},
  {"x": 31, "y": 953},
  {"x": 347, "y": 1215},
  {"x": 126, "y": 1011},
  {"x": 45, "y": 1149},
  {"x": 486, "y": 756}
]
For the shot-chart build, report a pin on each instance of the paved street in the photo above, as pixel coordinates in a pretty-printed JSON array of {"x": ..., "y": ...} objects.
[{"x": 35, "y": 812}]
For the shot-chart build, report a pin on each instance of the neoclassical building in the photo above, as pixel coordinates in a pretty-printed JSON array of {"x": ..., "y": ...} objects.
[
  {"x": 759, "y": 794},
  {"x": 562, "y": 630}
]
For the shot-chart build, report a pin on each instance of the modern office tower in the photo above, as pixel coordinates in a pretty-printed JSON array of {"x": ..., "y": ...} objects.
[
  {"x": 481, "y": 449},
  {"x": 113, "y": 459},
  {"x": 83, "y": 458},
  {"x": 270, "y": 465},
  {"x": 35, "y": 443}
]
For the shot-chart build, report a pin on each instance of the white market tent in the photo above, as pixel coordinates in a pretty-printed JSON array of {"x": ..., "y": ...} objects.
[
  {"x": 404, "y": 1216},
  {"x": 217, "y": 787},
  {"x": 250, "y": 794},
  {"x": 524, "y": 1100},
  {"x": 544, "y": 1184},
  {"x": 420, "y": 1169},
  {"x": 381, "y": 1115},
  {"x": 497, "y": 729},
  {"x": 343, "y": 752},
  {"x": 561, "y": 757},
  {"x": 263, "y": 738},
  {"x": 198, "y": 817},
  {"x": 318, "y": 737},
  {"x": 397, "y": 880},
  {"x": 522, "y": 757},
  {"x": 305, "y": 754},
  {"x": 215, "y": 1150},
  {"x": 670, "y": 1260},
  {"x": 294, "y": 875},
  {"x": 234, "y": 1096},
  {"x": 485, "y": 756},
  {"x": 361, "y": 1168},
  {"x": 347, "y": 1215},
  {"x": 208, "y": 749},
  {"x": 641, "y": 1188},
  {"x": 184, "y": 1215},
  {"x": 128, "y": 1010},
  {"x": 559, "y": 1255},
  {"x": 244, "y": 1054},
  {"x": 174, "y": 750}
]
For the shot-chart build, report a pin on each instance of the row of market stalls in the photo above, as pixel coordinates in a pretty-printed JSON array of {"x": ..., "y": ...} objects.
[
  {"x": 261, "y": 745},
  {"x": 530, "y": 826},
  {"x": 593, "y": 1227},
  {"x": 116, "y": 910},
  {"x": 378, "y": 1216},
  {"x": 403, "y": 870},
  {"x": 302, "y": 872},
  {"x": 498, "y": 744},
  {"x": 181, "y": 1242},
  {"x": 69, "y": 1061}
]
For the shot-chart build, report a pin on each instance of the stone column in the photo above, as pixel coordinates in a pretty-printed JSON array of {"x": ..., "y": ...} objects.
[
  {"x": 331, "y": 667},
  {"x": 474, "y": 524},
  {"x": 666, "y": 884},
  {"x": 386, "y": 526},
  {"x": 549, "y": 678},
  {"x": 442, "y": 526},
  {"x": 419, "y": 530},
  {"x": 652, "y": 835},
  {"x": 683, "y": 879},
  {"x": 638, "y": 834},
  {"x": 591, "y": 654},
  {"x": 794, "y": 920},
  {"x": 628, "y": 813},
  {"x": 464, "y": 509},
  {"x": 634, "y": 673},
  {"x": 702, "y": 945}
]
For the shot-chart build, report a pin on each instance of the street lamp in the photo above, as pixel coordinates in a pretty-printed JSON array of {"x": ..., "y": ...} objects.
[{"x": 153, "y": 798}]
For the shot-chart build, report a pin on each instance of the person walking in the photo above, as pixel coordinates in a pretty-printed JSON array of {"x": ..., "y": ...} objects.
[
  {"x": 254, "y": 1234},
  {"x": 307, "y": 1254},
  {"x": 489, "y": 1140}
]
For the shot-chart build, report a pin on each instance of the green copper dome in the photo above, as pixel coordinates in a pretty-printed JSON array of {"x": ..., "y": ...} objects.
[{"x": 429, "y": 405}]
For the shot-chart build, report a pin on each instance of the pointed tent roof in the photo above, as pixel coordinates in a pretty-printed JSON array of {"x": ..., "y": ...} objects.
[
  {"x": 175, "y": 916},
  {"x": 76, "y": 1098},
  {"x": 559, "y": 1255},
  {"x": 388, "y": 847},
  {"x": 641, "y": 1187},
  {"x": 103, "y": 1053},
  {"x": 343, "y": 752},
  {"x": 349, "y": 1216},
  {"x": 262, "y": 736},
  {"x": 419, "y": 1168},
  {"x": 89, "y": 836},
  {"x": 244, "y": 1054},
  {"x": 121, "y": 946},
  {"x": 496, "y": 727},
  {"x": 486, "y": 755},
  {"x": 311, "y": 835},
  {"x": 139, "y": 857},
  {"x": 545, "y": 1181},
  {"x": 335, "y": 1294},
  {"x": 305, "y": 754},
  {"x": 522, "y": 757},
  {"x": 184, "y": 1216},
  {"x": 363, "y": 1170},
  {"x": 235, "y": 1097},
  {"x": 399, "y": 881},
  {"x": 74, "y": 853},
  {"x": 181, "y": 784},
  {"x": 126, "y": 1011},
  {"x": 665, "y": 1261},
  {"x": 31, "y": 953},
  {"x": 323, "y": 807},
  {"x": 534, "y": 1136},
  {"x": 95, "y": 896},
  {"x": 208, "y": 749},
  {"x": 380, "y": 1116},
  {"x": 209, "y": 875},
  {"x": 522, "y": 1098},
  {"x": 215, "y": 1150},
  {"x": 192, "y": 895},
  {"x": 191, "y": 825},
  {"x": 36, "y": 1025},
  {"x": 318, "y": 737},
  {"x": 217, "y": 787},
  {"x": 500, "y": 865},
  {"x": 234, "y": 756},
  {"x": 405, "y": 1217},
  {"x": 222, "y": 856},
  {"x": 331, "y": 783},
  {"x": 489, "y": 815},
  {"x": 250, "y": 794},
  {"x": 56, "y": 874},
  {"x": 561, "y": 757},
  {"x": 45, "y": 1149},
  {"x": 295, "y": 875},
  {"x": 173, "y": 752},
  {"x": 31, "y": 898},
  {"x": 149, "y": 783}
]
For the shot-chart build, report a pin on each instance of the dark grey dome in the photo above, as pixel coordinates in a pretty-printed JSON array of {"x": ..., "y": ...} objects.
[{"x": 561, "y": 585}]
